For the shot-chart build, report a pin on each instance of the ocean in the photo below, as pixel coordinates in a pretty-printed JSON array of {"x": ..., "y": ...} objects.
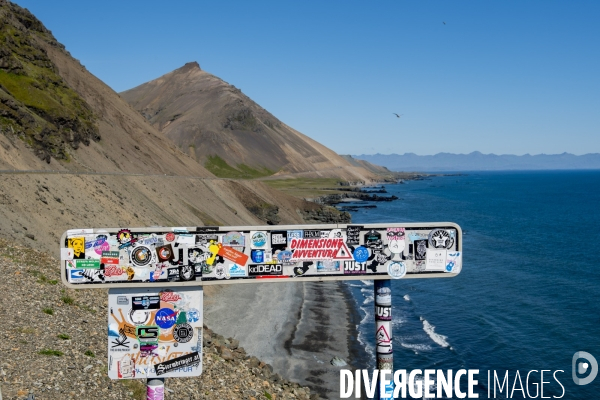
[{"x": 528, "y": 296}]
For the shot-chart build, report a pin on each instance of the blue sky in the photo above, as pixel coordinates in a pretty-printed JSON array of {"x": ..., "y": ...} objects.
[{"x": 503, "y": 77}]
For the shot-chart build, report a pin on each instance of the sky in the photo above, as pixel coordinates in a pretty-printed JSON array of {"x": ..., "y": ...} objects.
[{"x": 502, "y": 77}]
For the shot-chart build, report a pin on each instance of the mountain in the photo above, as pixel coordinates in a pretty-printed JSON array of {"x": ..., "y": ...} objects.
[
  {"x": 74, "y": 154},
  {"x": 477, "y": 161},
  {"x": 222, "y": 128}
]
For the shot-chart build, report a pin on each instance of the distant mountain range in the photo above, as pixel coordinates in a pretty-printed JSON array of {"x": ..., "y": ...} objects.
[{"x": 477, "y": 161}]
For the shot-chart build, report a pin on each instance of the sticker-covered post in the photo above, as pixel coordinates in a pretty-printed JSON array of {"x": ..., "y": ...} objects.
[{"x": 383, "y": 332}]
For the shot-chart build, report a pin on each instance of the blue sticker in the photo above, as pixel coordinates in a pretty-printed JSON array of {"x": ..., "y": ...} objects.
[
  {"x": 361, "y": 254},
  {"x": 165, "y": 318},
  {"x": 76, "y": 274},
  {"x": 258, "y": 256}
]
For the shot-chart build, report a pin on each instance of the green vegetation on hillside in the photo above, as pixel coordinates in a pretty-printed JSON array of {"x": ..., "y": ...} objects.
[
  {"x": 36, "y": 104},
  {"x": 309, "y": 187},
  {"x": 220, "y": 168}
]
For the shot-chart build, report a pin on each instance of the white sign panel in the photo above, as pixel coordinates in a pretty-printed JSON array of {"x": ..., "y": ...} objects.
[{"x": 155, "y": 332}]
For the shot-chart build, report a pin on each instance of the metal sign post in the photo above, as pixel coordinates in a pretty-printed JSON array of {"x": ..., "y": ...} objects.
[{"x": 156, "y": 274}]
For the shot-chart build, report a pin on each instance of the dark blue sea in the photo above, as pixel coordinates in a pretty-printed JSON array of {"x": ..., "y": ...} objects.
[{"x": 528, "y": 296}]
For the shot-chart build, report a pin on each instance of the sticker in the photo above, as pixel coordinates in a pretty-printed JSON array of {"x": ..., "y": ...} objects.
[
  {"x": 183, "y": 333},
  {"x": 120, "y": 343},
  {"x": 186, "y": 239},
  {"x": 361, "y": 254},
  {"x": 220, "y": 272},
  {"x": 114, "y": 271},
  {"x": 142, "y": 256},
  {"x": 193, "y": 315},
  {"x": 265, "y": 269},
  {"x": 122, "y": 300},
  {"x": 299, "y": 271},
  {"x": 236, "y": 271},
  {"x": 151, "y": 302},
  {"x": 76, "y": 275},
  {"x": 66, "y": 254},
  {"x": 440, "y": 239},
  {"x": 312, "y": 234},
  {"x": 165, "y": 318},
  {"x": 353, "y": 234},
  {"x": 126, "y": 367},
  {"x": 170, "y": 236},
  {"x": 169, "y": 296},
  {"x": 355, "y": 268},
  {"x": 165, "y": 253},
  {"x": 125, "y": 238},
  {"x": 147, "y": 335},
  {"x": 233, "y": 255},
  {"x": 397, "y": 270},
  {"x": 383, "y": 313},
  {"x": 435, "y": 260},
  {"x": 78, "y": 246},
  {"x": 234, "y": 239},
  {"x": 188, "y": 360},
  {"x": 453, "y": 262},
  {"x": 187, "y": 272},
  {"x": 328, "y": 266},
  {"x": 87, "y": 264},
  {"x": 420, "y": 249},
  {"x": 294, "y": 235},
  {"x": 110, "y": 258},
  {"x": 258, "y": 239},
  {"x": 318, "y": 249},
  {"x": 373, "y": 239},
  {"x": 257, "y": 256},
  {"x": 278, "y": 240},
  {"x": 395, "y": 238},
  {"x": 98, "y": 245}
]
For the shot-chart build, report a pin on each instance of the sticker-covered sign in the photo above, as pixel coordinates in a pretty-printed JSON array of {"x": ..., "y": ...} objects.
[
  {"x": 155, "y": 332},
  {"x": 195, "y": 256}
]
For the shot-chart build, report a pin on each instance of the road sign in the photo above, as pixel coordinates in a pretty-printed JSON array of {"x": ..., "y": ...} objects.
[{"x": 183, "y": 256}]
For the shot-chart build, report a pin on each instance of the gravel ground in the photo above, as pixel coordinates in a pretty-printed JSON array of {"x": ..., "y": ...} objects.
[{"x": 54, "y": 344}]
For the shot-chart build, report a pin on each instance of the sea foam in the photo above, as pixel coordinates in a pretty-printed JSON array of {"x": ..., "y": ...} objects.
[{"x": 436, "y": 337}]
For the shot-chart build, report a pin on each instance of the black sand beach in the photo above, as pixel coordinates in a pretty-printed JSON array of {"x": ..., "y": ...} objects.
[{"x": 297, "y": 328}]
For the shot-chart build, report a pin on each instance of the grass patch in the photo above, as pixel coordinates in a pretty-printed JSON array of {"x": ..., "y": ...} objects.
[
  {"x": 89, "y": 353},
  {"x": 63, "y": 336},
  {"x": 136, "y": 387},
  {"x": 87, "y": 308},
  {"x": 308, "y": 187},
  {"x": 220, "y": 168},
  {"x": 68, "y": 300},
  {"x": 50, "y": 352},
  {"x": 48, "y": 311},
  {"x": 268, "y": 395},
  {"x": 26, "y": 330}
]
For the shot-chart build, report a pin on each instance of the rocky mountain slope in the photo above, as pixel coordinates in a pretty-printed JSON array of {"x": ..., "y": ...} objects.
[
  {"x": 85, "y": 158},
  {"x": 227, "y": 132}
]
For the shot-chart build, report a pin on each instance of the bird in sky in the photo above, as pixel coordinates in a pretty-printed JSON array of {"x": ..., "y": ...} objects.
[
  {"x": 398, "y": 115},
  {"x": 444, "y": 22}
]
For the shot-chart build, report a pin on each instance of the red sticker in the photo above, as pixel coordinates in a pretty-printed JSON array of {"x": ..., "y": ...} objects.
[
  {"x": 233, "y": 255},
  {"x": 170, "y": 237}
]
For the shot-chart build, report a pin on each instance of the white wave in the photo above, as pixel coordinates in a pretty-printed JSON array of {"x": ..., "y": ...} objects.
[
  {"x": 368, "y": 315},
  {"x": 368, "y": 299},
  {"x": 396, "y": 321},
  {"x": 363, "y": 290},
  {"x": 436, "y": 337},
  {"x": 354, "y": 285},
  {"x": 406, "y": 297},
  {"x": 368, "y": 283},
  {"x": 368, "y": 345},
  {"x": 416, "y": 346}
]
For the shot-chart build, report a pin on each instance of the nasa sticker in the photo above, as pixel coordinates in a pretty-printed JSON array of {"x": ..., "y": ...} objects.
[
  {"x": 397, "y": 269},
  {"x": 183, "y": 333}
]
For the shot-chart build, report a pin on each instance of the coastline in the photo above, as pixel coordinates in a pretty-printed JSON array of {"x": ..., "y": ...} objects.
[{"x": 297, "y": 328}]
